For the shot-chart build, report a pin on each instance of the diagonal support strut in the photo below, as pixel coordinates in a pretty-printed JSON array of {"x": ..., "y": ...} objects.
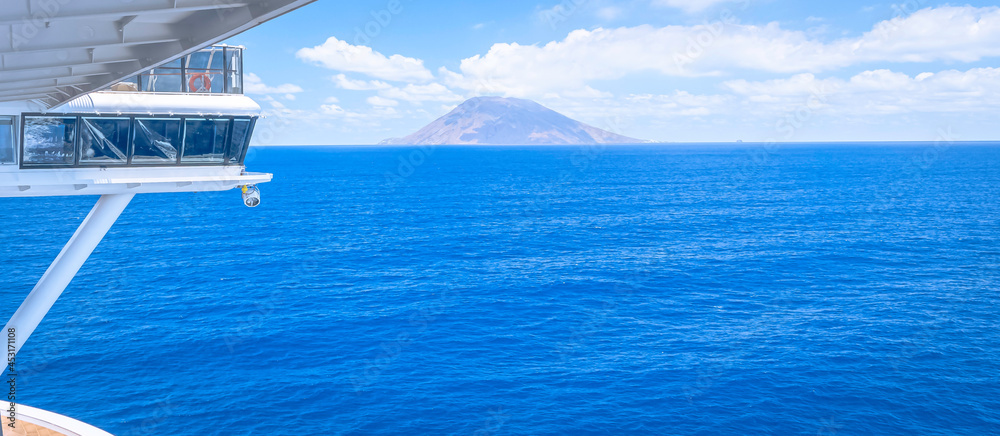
[{"x": 55, "y": 280}]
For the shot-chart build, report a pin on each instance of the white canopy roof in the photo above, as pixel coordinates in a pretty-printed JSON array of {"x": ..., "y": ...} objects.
[
  {"x": 52, "y": 51},
  {"x": 115, "y": 103}
]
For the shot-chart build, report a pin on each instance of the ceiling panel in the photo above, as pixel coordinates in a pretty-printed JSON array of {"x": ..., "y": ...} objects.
[{"x": 105, "y": 41}]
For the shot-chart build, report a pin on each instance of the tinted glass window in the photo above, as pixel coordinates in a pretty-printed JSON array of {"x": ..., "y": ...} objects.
[
  {"x": 94, "y": 140},
  {"x": 209, "y": 70},
  {"x": 205, "y": 140},
  {"x": 156, "y": 140},
  {"x": 49, "y": 140},
  {"x": 7, "y": 140},
  {"x": 206, "y": 71},
  {"x": 234, "y": 64},
  {"x": 163, "y": 79},
  {"x": 104, "y": 141},
  {"x": 241, "y": 135}
]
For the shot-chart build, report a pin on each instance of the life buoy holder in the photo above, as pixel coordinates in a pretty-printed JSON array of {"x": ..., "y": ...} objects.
[{"x": 206, "y": 82}]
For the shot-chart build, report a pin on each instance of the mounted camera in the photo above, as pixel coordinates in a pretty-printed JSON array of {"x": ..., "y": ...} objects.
[{"x": 251, "y": 195}]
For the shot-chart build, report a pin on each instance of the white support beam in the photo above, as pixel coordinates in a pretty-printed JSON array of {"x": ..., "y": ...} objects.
[
  {"x": 66, "y": 265},
  {"x": 42, "y": 83},
  {"x": 63, "y": 36},
  {"x": 81, "y": 71},
  {"x": 64, "y": 66},
  {"x": 23, "y": 96},
  {"x": 109, "y": 9},
  {"x": 37, "y": 100}
]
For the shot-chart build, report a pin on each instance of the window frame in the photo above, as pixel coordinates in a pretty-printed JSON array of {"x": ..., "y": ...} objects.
[
  {"x": 77, "y": 142},
  {"x": 14, "y": 144},
  {"x": 161, "y": 163},
  {"x": 128, "y": 146},
  {"x": 244, "y": 148},
  {"x": 230, "y": 123}
]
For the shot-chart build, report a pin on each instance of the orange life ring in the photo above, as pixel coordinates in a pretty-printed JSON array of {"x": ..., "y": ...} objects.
[{"x": 206, "y": 81}]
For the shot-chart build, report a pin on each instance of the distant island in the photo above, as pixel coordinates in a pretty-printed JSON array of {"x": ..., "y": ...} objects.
[{"x": 508, "y": 121}]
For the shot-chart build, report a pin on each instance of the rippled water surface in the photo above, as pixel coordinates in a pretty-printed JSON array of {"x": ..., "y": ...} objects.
[{"x": 801, "y": 289}]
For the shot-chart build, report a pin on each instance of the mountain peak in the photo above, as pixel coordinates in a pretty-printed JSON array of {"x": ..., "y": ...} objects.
[
  {"x": 508, "y": 101},
  {"x": 508, "y": 121}
]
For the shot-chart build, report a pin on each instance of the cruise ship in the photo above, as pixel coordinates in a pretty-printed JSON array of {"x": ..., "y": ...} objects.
[{"x": 114, "y": 99}]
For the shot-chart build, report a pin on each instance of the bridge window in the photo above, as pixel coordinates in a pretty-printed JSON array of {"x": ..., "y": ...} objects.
[
  {"x": 205, "y": 140},
  {"x": 239, "y": 142},
  {"x": 156, "y": 140},
  {"x": 104, "y": 141},
  {"x": 49, "y": 140},
  {"x": 6, "y": 140},
  {"x": 92, "y": 141}
]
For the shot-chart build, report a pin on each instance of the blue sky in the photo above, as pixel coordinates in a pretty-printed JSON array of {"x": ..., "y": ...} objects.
[{"x": 666, "y": 70}]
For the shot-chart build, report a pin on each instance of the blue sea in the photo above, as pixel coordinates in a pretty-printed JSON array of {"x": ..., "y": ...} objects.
[{"x": 793, "y": 289}]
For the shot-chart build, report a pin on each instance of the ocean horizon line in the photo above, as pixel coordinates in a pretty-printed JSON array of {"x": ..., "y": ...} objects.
[{"x": 648, "y": 144}]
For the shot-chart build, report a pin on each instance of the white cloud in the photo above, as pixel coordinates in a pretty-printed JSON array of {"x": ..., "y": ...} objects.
[
  {"x": 252, "y": 84},
  {"x": 795, "y": 86},
  {"x": 341, "y": 56},
  {"x": 556, "y": 14},
  {"x": 343, "y": 82},
  {"x": 421, "y": 93},
  {"x": 331, "y": 109},
  {"x": 676, "y": 104},
  {"x": 275, "y": 104},
  {"x": 877, "y": 96},
  {"x": 380, "y": 101},
  {"x": 961, "y": 34},
  {"x": 692, "y": 6},
  {"x": 882, "y": 92}
]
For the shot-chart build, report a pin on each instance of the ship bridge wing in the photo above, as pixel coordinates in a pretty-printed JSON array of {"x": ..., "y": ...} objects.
[{"x": 52, "y": 51}]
